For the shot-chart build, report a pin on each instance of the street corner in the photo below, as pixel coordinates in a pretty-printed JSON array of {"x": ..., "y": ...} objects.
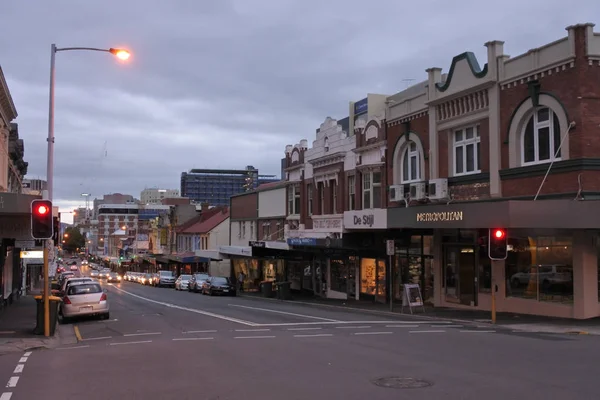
[{"x": 65, "y": 334}]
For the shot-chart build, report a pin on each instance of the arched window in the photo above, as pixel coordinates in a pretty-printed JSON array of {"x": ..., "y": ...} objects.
[
  {"x": 541, "y": 137},
  {"x": 411, "y": 163},
  {"x": 326, "y": 144}
]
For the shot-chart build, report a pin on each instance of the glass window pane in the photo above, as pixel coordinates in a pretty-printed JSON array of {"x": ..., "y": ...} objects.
[
  {"x": 405, "y": 167},
  {"x": 543, "y": 114},
  {"x": 458, "y": 136},
  {"x": 458, "y": 160},
  {"x": 366, "y": 199},
  {"x": 557, "y": 134},
  {"x": 413, "y": 168},
  {"x": 413, "y": 146},
  {"x": 469, "y": 133},
  {"x": 366, "y": 181},
  {"x": 544, "y": 143},
  {"x": 470, "y": 158},
  {"x": 377, "y": 197},
  {"x": 376, "y": 177},
  {"x": 479, "y": 156},
  {"x": 529, "y": 143}
]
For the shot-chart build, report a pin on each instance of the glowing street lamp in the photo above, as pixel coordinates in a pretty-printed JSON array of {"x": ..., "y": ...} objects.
[{"x": 121, "y": 54}]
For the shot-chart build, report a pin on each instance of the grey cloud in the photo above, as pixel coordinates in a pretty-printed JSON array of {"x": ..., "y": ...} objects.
[{"x": 229, "y": 83}]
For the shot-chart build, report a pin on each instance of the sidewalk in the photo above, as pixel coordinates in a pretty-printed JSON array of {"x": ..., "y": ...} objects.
[
  {"x": 17, "y": 322},
  {"x": 516, "y": 322}
]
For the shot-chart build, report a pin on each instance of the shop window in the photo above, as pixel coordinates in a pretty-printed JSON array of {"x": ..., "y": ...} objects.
[
  {"x": 351, "y": 193},
  {"x": 540, "y": 268},
  {"x": 372, "y": 277},
  {"x": 541, "y": 138},
  {"x": 467, "y": 151},
  {"x": 339, "y": 274}
]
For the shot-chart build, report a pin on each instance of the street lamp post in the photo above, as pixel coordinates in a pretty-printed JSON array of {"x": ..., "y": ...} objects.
[{"x": 122, "y": 54}]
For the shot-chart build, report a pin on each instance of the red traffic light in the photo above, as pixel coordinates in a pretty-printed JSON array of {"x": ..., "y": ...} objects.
[
  {"x": 499, "y": 234},
  {"x": 42, "y": 210}
]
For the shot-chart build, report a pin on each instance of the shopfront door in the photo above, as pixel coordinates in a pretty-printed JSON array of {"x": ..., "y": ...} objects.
[{"x": 460, "y": 274}]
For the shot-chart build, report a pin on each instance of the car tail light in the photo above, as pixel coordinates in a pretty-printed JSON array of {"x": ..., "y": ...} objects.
[
  {"x": 103, "y": 297},
  {"x": 66, "y": 300}
]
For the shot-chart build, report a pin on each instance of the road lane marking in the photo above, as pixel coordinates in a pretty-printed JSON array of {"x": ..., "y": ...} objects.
[
  {"x": 315, "y": 335},
  {"x": 372, "y": 333},
  {"x": 254, "y": 337},
  {"x": 194, "y": 310},
  {"x": 470, "y": 331},
  {"x": 6, "y": 396},
  {"x": 12, "y": 382},
  {"x": 402, "y": 326},
  {"x": 453, "y": 326},
  {"x": 327, "y": 323},
  {"x": 97, "y": 338},
  {"x": 440, "y": 331},
  {"x": 27, "y": 354},
  {"x": 140, "y": 342},
  {"x": 23, "y": 359},
  {"x": 193, "y": 338},
  {"x": 284, "y": 313},
  {"x": 142, "y": 334},
  {"x": 252, "y": 330},
  {"x": 353, "y": 327},
  {"x": 19, "y": 368},
  {"x": 210, "y": 331},
  {"x": 304, "y": 329},
  {"x": 74, "y": 347},
  {"x": 77, "y": 333}
]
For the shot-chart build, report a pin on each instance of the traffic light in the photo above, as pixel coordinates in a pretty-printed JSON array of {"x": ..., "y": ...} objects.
[
  {"x": 497, "y": 244},
  {"x": 42, "y": 224}
]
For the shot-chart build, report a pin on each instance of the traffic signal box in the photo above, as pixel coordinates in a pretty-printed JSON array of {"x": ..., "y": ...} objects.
[
  {"x": 42, "y": 223},
  {"x": 497, "y": 244}
]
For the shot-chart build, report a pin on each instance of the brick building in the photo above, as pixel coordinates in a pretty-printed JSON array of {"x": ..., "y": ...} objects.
[{"x": 510, "y": 145}]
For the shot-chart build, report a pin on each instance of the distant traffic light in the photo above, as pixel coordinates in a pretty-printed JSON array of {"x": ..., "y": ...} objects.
[
  {"x": 42, "y": 224},
  {"x": 497, "y": 244}
]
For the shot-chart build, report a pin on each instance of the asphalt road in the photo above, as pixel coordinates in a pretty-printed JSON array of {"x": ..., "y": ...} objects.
[{"x": 165, "y": 344}]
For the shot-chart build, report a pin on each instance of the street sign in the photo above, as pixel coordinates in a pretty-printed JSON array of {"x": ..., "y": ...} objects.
[{"x": 390, "y": 247}]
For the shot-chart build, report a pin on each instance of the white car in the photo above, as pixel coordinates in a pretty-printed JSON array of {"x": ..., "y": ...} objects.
[
  {"x": 182, "y": 282},
  {"x": 84, "y": 299}
]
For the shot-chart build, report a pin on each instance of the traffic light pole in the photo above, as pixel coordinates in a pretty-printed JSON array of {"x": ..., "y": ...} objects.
[{"x": 46, "y": 293}]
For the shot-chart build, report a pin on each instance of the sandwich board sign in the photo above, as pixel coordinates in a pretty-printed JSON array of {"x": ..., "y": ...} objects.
[{"x": 412, "y": 297}]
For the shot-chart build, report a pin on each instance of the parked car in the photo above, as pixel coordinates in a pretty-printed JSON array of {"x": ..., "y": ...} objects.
[
  {"x": 94, "y": 274},
  {"x": 182, "y": 282},
  {"x": 84, "y": 299},
  {"x": 219, "y": 285},
  {"x": 166, "y": 278},
  {"x": 72, "y": 281},
  {"x": 196, "y": 282}
]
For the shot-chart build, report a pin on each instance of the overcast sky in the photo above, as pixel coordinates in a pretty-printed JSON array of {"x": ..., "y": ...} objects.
[{"x": 228, "y": 83}]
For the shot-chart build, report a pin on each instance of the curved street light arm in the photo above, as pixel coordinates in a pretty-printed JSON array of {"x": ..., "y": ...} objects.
[{"x": 82, "y": 48}]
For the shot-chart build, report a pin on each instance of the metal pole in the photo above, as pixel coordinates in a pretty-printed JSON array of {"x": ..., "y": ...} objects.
[
  {"x": 49, "y": 190},
  {"x": 391, "y": 285},
  {"x": 46, "y": 295},
  {"x": 50, "y": 165}
]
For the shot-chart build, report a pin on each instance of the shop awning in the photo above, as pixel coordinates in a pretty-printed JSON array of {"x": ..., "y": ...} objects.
[
  {"x": 210, "y": 255},
  {"x": 548, "y": 214},
  {"x": 240, "y": 251}
]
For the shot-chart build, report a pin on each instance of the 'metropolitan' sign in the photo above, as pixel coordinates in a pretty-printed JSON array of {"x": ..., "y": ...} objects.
[{"x": 440, "y": 216}]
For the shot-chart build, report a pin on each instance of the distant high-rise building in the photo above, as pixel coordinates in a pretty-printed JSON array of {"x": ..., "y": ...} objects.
[
  {"x": 113, "y": 198},
  {"x": 155, "y": 195},
  {"x": 216, "y": 186}
]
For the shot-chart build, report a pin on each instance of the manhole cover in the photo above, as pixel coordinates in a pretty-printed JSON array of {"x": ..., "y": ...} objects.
[{"x": 396, "y": 382}]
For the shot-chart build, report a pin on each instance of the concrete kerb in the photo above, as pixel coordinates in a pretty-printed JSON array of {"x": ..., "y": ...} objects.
[{"x": 422, "y": 317}]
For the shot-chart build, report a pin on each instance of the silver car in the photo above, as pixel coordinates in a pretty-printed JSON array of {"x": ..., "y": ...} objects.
[
  {"x": 182, "y": 282},
  {"x": 84, "y": 299}
]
